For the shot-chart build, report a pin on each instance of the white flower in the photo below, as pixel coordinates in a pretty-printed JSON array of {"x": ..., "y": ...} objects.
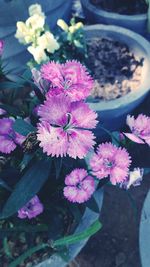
[
  {"x": 63, "y": 25},
  {"x": 75, "y": 27},
  {"x": 38, "y": 54},
  {"x": 35, "y": 22},
  {"x": 135, "y": 177},
  {"x": 36, "y": 9},
  {"x": 23, "y": 34},
  {"x": 47, "y": 41}
]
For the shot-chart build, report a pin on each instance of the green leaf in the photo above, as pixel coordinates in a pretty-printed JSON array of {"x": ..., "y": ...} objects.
[
  {"x": 22, "y": 127},
  {"x": 92, "y": 205},
  {"x": 28, "y": 186},
  {"x": 10, "y": 85},
  {"x": 71, "y": 239},
  {"x": 58, "y": 166},
  {"x": 27, "y": 254},
  {"x": 146, "y": 171},
  {"x": 7, "y": 248}
]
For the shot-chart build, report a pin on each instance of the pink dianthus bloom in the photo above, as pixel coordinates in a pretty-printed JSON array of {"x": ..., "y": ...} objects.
[
  {"x": 64, "y": 127},
  {"x": 79, "y": 186},
  {"x": 111, "y": 161},
  {"x": 9, "y": 139},
  {"x": 32, "y": 209},
  {"x": 70, "y": 78},
  {"x": 140, "y": 128}
]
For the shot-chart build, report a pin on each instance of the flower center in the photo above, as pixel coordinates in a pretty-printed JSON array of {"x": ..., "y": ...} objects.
[{"x": 108, "y": 164}]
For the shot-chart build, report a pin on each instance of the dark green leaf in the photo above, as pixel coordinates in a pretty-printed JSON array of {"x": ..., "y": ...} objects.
[
  {"x": 28, "y": 186},
  {"x": 7, "y": 248},
  {"x": 92, "y": 205},
  {"x": 58, "y": 166},
  {"x": 10, "y": 85},
  {"x": 22, "y": 127},
  {"x": 71, "y": 239}
]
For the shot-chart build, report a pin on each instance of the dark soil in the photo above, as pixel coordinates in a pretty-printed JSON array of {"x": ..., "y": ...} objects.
[
  {"x": 114, "y": 68},
  {"x": 125, "y": 7}
]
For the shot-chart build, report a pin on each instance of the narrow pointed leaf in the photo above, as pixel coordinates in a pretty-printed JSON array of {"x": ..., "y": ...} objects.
[{"x": 28, "y": 186}]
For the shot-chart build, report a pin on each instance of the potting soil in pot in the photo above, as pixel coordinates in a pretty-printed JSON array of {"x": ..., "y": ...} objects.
[
  {"x": 126, "y": 7},
  {"x": 114, "y": 68}
]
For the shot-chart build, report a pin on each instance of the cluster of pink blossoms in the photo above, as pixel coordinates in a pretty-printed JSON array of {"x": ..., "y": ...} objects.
[
  {"x": 65, "y": 127},
  {"x": 70, "y": 78},
  {"x": 111, "y": 161}
]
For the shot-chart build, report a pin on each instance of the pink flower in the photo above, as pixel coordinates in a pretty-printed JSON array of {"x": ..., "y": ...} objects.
[
  {"x": 140, "y": 128},
  {"x": 8, "y": 137},
  {"x": 2, "y": 112},
  {"x": 64, "y": 127},
  {"x": 1, "y": 47},
  {"x": 71, "y": 78},
  {"x": 33, "y": 208},
  {"x": 111, "y": 161},
  {"x": 79, "y": 186}
]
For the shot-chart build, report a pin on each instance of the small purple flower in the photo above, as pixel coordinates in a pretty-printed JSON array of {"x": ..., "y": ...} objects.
[
  {"x": 32, "y": 209},
  {"x": 79, "y": 186},
  {"x": 9, "y": 139},
  {"x": 1, "y": 47},
  {"x": 140, "y": 128}
]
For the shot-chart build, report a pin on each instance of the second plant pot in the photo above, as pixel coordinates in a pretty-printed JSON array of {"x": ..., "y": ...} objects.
[
  {"x": 112, "y": 114},
  {"x": 137, "y": 23}
]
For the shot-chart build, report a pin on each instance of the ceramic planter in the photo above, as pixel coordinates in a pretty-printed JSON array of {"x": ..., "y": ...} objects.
[
  {"x": 112, "y": 114},
  {"x": 12, "y": 11},
  {"x": 144, "y": 235},
  {"x": 137, "y": 23},
  {"x": 88, "y": 219}
]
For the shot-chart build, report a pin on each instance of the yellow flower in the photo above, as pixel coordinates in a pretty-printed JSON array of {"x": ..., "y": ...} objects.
[
  {"x": 38, "y": 54},
  {"x": 47, "y": 41},
  {"x": 63, "y": 25}
]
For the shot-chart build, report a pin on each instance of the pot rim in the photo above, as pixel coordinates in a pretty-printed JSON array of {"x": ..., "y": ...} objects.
[
  {"x": 112, "y": 15},
  {"x": 133, "y": 95}
]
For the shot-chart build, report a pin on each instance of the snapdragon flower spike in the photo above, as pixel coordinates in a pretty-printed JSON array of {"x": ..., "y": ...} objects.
[
  {"x": 9, "y": 139},
  {"x": 79, "y": 186},
  {"x": 140, "y": 128},
  {"x": 32, "y": 209},
  {"x": 111, "y": 161},
  {"x": 65, "y": 127},
  {"x": 71, "y": 78}
]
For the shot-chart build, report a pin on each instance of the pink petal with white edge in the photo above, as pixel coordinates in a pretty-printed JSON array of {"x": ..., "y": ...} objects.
[
  {"x": 118, "y": 175},
  {"x": 80, "y": 143},
  {"x": 134, "y": 138},
  {"x": 53, "y": 140},
  {"x": 70, "y": 192},
  {"x": 82, "y": 196},
  {"x": 88, "y": 185},
  {"x": 55, "y": 110},
  {"x": 6, "y": 145},
  {"x": 83, "y": 116}
]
